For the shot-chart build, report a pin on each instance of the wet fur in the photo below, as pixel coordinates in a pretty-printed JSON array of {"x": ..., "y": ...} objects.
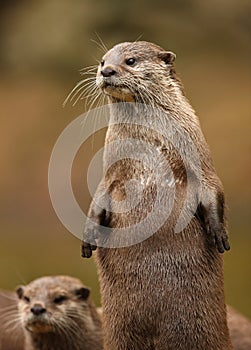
[{"x": 167, "y": 292}]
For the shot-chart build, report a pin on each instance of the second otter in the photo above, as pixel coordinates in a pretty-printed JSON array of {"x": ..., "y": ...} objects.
[
  {"x": 56, "y": 313},
  {"x": 166, "y": 291}
]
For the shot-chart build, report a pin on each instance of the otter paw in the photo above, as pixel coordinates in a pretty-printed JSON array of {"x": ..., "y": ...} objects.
[
  {"x": 89, "y": 240},
  {"x": 86, "y": 249},
  {"x": 221, "y": 241},
  {"x": 220, "y": 237}
]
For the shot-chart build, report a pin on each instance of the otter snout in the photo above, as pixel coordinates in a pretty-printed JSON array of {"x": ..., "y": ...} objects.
[
  {"x": 108, "y": 72},
  {"x": 38, "y": 309}
]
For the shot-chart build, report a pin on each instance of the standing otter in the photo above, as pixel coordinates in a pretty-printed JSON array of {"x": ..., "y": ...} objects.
[
  {"x": 166, "y": 291},
  {"x": 56, "y": 313}
]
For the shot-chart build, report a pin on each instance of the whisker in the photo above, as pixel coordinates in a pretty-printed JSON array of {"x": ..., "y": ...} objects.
[
  {"x": 95, "y": 99},
  {"x": 15, "y": 322},
  {"x": 79, "y": 97},
  {"x": 71, "y": 95},
  {"x": 91, "y": 90},
  {"x": 84, "y": 87},
  {"x": 7, "y": 296},
  {"x": 100, "y": 44},
  {"x": 138, "y": 38},
  {"x": 89, "y": 73},
  {"x": 90, "y": 68},
  {"x": 72, "y": 91},
  {"x": 9, "y": 314},
  {"x": 8, "y": 308}
]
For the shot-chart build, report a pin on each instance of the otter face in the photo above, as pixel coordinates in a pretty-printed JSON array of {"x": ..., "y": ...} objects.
[
  {"x": 127, "y": 71},
  {"x": 50, "y": 303}
]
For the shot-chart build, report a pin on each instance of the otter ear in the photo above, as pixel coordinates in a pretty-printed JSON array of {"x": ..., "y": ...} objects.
[
  {"x": 82, "y": 293},
  {"x": 20, "y": 291},
  {"x": 167, "y": 56}
]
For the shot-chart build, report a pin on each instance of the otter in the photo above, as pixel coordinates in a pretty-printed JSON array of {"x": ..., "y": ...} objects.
[
  {"x": 165, "y": 291},
  {"x": 56, "y": 313}
]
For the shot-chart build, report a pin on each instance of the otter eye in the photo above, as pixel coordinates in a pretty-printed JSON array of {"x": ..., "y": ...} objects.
[
  {"x": 60, "y": 299},
  {"x": 102, "y": 63},
  {"x": 27, "y": 299},
  {"x": 130, "y": 61}
]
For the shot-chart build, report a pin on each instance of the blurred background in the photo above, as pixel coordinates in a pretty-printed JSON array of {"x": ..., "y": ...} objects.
[{"x": 43, "y": 44}]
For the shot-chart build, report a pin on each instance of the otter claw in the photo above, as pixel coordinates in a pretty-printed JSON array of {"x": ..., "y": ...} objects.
[
  {"x": 221, "y": 241},
  {"x": 220, "y": 238}
]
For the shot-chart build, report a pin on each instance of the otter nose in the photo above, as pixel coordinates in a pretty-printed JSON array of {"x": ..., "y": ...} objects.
[
  {"x": 38, "y": 309},
  {"x": 108, "y": 72}
]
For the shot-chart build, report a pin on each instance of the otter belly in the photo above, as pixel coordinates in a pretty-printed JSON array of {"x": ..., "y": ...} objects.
[{"x": 161, "y": 291}]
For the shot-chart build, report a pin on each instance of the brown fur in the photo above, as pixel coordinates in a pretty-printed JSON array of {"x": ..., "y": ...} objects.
[
  {"x": 240, "y": 329},
  {"x": 69, "y": 320},
  {"x": 11, "y": 333},
  {"x": 165, "y": 293}
]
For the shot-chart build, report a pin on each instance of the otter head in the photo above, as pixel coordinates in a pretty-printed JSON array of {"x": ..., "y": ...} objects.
[
  {"x": 135, "y": 71},
  {"x": 50, "y": 304}
]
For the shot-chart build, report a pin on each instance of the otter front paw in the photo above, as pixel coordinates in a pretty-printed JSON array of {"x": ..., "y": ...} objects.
[
  {"x": 212, "y": 220},
  {"x": 219, "y": 235},
  {"x": 89, "y": 240},
  {"x": 86, "y": 249}
]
